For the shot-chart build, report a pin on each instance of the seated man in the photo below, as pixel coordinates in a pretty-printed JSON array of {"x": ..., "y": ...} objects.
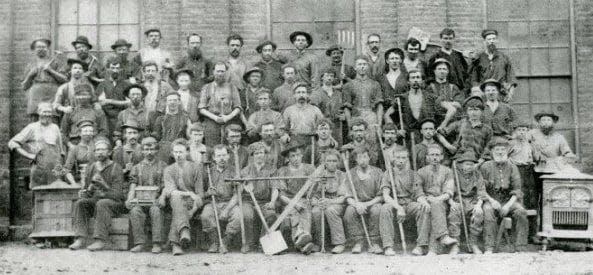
[
  {"x": 83, "y": 111},
  {"x": 103, "y": 195},
  {"x": 439, "y": 187},
  {"x": 263, "y": 114},
  {"x": 82, "y": 154},
  {"x": 226, "y": 202},
  {"x": 427, "y": 134},
  {"x": 473, "y": 192},
  {"x": 410, "y": 199},
  {"x": 270, "y": 140},
  {"x": 130, "y": 153},
  {"x": 265, "y": 192},
  {"x": 390, "y": 135},
  {"x": 300, "y": 216},
  {"x": 149, "y": 172},
  {"x": 503, "y": 185},
  {"x": 323, "y": 142},
  {"x": 332, "y": 203},
  {"x": 233, "y": 144},
  {"x": 367, "y": 182},
  {"x": 184, "y": 189},
  {"x": 197, "y": 150},
  {"x": 359, "y": 130}
]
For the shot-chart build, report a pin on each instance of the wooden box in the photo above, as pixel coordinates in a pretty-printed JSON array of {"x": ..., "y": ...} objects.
[
  {"x": 53, "y": 211},
  {"x": 146, "y": 195},
  {"x": 119, "y": 233}
]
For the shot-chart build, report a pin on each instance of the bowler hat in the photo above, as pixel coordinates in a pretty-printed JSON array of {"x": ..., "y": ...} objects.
[
  {"x": 121, "y": 42},
  {"x": 548, "y": 114},
  {"x": 252, "y": 70},
  {"x": 81, "y": 39},
  {"x": 329, "y": 51},
  {"x": 491, "y": 81}
]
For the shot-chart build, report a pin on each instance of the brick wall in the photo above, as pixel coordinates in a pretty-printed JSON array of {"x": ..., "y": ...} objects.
[
  {"x": 6, "y": 58},
  {"x": 380, "y": 16},
  {"x": 584, "y": 54}
]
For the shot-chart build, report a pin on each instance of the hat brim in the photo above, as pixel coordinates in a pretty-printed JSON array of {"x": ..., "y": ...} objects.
[
  {"x": 248, "y": 73},
  {"x": 81, "y": 42},
  {"x": 187, "y": 71},
  {"x": 285, "y": 152},
  {"x": 554, "y": 117},
  {"x": 328, "y": 52},
  {"x": 307, "y": 36},
  {"x": 142, "y": 88},
  {"x": 260, "y": 47},
  {"x": 495, "y": 83},
  {"x": 132, "y": 126},
  {"x": 115, "y": 46}
]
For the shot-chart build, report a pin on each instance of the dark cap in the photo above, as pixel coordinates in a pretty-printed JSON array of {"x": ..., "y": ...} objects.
[
  {"x": 487, "y": 32},
  {"x": 81, "y": 39}
]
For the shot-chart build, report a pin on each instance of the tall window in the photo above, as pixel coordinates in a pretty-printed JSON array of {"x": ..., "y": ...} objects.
[{"x": 102, "y": 21}]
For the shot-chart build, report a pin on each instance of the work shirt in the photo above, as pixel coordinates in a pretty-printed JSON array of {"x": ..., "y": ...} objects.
[
  {"x": 219, "y": 99},
  {"x": 362, "y": 94},
  {"x": 472, "y": 186},
  {"x": 499, "y": 68},
  {"x": 126, "y": 153},
  {"x": 197, "y": 152},
  {"x": 282, "y": 97},
  {"x": 70, "y": 121},
  {"x": 307, "y": 67},
  {"x": 415, "y": 108},
  {"x": 471, "y": 137},
  {"x": 408, "y": 185},
  {"x": 458, "y": 71},
  {"x": 155, "y": 99},
  {"x": 235, "y": 72},
  {"x": 392, "y": 86},
  {"x": 110, "y": 90},
  {"x": 446, "y": 92},
  {"x": 301, "y": 119},
  {"x": 332, "y": 185},
  {"x": 249, "y": 99},
  {"x": 186, "y": 177},
  {"x": 262, "y": 189},
  {"x": 112, "y": 175},
  {"x": 157, "y": 55},
  {"x": 521, "y": 152},
  {"x": 169, "y": 127},
  {"x": 501, "y": 120},
  {"x": 376, "y": 65},
  {"x": 35, "y": 137},
  {"x": 80, "y": 154},
  {"x": 259, "y": 117},
  {"x": 550, "y": 148},
  {"x": 290, "y": 188},
  {"x": 148, "y": 173},
  {"x": 224, "y": 189},
  {"x": 503, "y": 180},
  {"x": 439, "y": 182},
  {"x": 272, "y": 73},
  {"x": 199, "y": 65},
  {"x": 132, "y": 115},
  {"x": 366, "y": 188}
]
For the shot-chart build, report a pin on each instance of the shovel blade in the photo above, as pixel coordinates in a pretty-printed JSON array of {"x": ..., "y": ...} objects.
[{"x": 273, "y": 243}]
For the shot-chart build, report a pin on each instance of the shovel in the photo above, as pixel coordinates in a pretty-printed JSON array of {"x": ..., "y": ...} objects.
[{"x": 272, "y": 242}]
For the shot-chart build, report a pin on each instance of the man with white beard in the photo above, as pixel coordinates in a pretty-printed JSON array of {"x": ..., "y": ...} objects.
[{"x": 503, "y": 185}]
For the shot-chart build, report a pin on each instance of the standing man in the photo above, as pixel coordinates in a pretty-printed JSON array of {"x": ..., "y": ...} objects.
[
  {"x": 94, "y": 67},
  {"x": 458, "y": 73},
  {"x": 344, "y": 72},
  {"x": 301, "y": 118},
  {"x": 236, "y": 65},
  {"x": 493, "y": 64},
  {"x": 412, "y": 60},
  {"x": 193, "y": 60},
  {"x": 110, "y": 94},
  {"x": 64, "y": 101},
  {"x": 271, "y": 67},
  {"x": 264, "y": 114},
  {"x": 363, "y": 96},
  {"x": 220, "y": 104},
  {"x": 135, "y": 112},
  {"x": 359, "y": 130},
  {"x": 184, "y": 190},
  {"x": 170, "y": 126},
  {"x": 154, "y": 101},
  {"x": 149, "y": 172},
  {"x": 83, "y": 111},
  {"x": 498, "y": 115},
  {"x": 448, "y": 96},
  {"x": 154, "y": 52},
  {"x": 329, "y": 100},
  {"x": 131, "y": 70},
  {"x": 283, "y": 96},
  {"x": 103, "y": 195},
  {"x": 305, "y": 62},
  {"x": 375, "y": 56}
]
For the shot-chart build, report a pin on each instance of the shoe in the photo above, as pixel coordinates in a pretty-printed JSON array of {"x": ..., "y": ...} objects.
[
  {"x": 245, "y": 248},
  {"x": 315, "y": 248},
  {"x": 213, "y": 248},
  {"x": 185, "y": 238},
  {"x": 376, "y": 249},
  {"x": 389, "y": 251},
  {"x": 138, "y": 248},
  {"x": 222, "y": 248},
  {"x": 447, "y": 241},
  {"x": 302, "y": 240},
  {"x": 520, "y": 248},
  {"x": 338, "y": 249},
  {"x": 156, "y": 249},
  {"x": 418, "y": 251},
  {"x": 307, "y": 248},
  {"x": 431, "y": 253},
  {"x": 476, "y": 249},
  {"x": 77, "y": 244},
  {"x": 177, "y": 250},
  {"x": 357, "y": 248},
  {"x": 96, "y": 246},
  {"x": 454, "y": 249},
  {"x": 489, "y": 250}
]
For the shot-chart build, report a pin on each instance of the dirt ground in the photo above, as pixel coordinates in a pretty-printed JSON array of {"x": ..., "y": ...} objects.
[{"x": 18, "y": 258}]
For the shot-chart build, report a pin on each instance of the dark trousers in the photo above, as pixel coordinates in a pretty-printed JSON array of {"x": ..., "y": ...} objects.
[{"x": 102, "y": 209}]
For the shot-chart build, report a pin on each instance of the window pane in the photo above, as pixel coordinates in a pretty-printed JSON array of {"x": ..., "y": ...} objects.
[
  {"x": 560, "y": 60},
  {"x": 87, "y": 12},
  {"x": 107, "y": 35},
  {"x": 67, "y": 13},
  {"x": 564, "y": 111},
  {"x": 129, "y": 11},
  {"x": 560, "y": 88},
  {"x": 66, "y": 34},
  {"x": 540, "y": 61},
  {"x": 522, "y": 92},
  {"x": 130, "y": 33},
  {"x": 108, "y": 11}
]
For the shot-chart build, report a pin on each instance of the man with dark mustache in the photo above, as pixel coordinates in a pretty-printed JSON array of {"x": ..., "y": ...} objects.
[
  {"x": 493, "y": 64},
  {"x": 458, "y": 70},
  {"x": 235, "y": 63},
  {"x": 130, "y": 69},
  {"x": 136, "y": 112},
  {"x": 412, "y": 60},
  {"x": 271, "y": 66},
  {"x": 110, "y": 93},
  {"x": 194, "y": 60},
  {"x": 95, "y": 68},
  {"x": 375, "y": 56},
  {"x": 154, "y": 51}
]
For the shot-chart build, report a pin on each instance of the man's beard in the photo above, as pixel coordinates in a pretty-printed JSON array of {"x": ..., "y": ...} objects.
[
  {"x": 136, "y": 102},
  {"x": 235, "y": 53},
  {"x": 389, "y": 141},
  {"x": 123, "y": 57},
  {"x": 415, "y": 86},
  {"x": 133, "y": 140},
  {"x": 115, "y": 75},
  {"x": 491, "y": 48},
  {"x": 195, "y": 52},
  {"x": 83, "y": 55},
  {"x": 500, "y": 158},
  {"x": 266, "y": 57},
  {"x": 547, "y": 129},
  {"x": 42, "y": 53}
]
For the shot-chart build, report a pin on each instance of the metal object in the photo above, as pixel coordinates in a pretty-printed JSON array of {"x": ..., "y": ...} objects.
[
  {"x": 567, "y": 206},
  {"x": 465, "y": 231},
  {"x": 401, "y": 118},
  {"x": 239, "y": 191},
  {"x": 322, "y": 219},
  {"x": 278, "y": 178},
  {"x": 273, "y": 242}
]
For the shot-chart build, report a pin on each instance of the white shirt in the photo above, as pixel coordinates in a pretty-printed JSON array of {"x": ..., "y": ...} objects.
[
  {"x": 151, "y": 96},
  {"x": 157, "y": 55},
  {"x": 184, "y": 99},
  {"x": 392, "y": 77}
]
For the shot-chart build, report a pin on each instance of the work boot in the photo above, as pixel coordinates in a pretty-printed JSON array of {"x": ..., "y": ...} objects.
[
  {"x": 213, "y": 247},
  {"x": 418, "y": 251},
  {"x": 177, "y": 250},
  {"x": 447, "y": 241},
  {"x": 476, "y": 249},
  {"x": 454, "y": 249},
  {"x": 213, "y": 236},
  {"x": 77, "y": 244},
  {"x": 357, "y": 248},
  {"x": 520, "y": 248},
  {"x": 97, "y": 245},
  {"x": 431, "y": 252},
  {"x": 489, "y": 250},
  {"x": 315, "y": 248},
  {"x": 245, "y": 248},
  {"x": 138, "y": 248},
  {"x": 338, "y": 249},
  {"x": 389, "y": 251},
  {"x": 185, "y": 238},
  {"x": 307, "y": 248},
  {"x": 302, "y": 240},
  {"x": 376, "y": 249},
  {"x": 156, "y": 248}
]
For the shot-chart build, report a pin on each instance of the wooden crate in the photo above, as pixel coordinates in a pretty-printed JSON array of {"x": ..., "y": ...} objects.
[
  {"x": 53, "y": 210},
  {"x": 119, "y": 233}
]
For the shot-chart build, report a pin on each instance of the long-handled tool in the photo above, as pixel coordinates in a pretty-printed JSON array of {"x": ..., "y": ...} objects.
[
  {"x": 273, "y": 242},
  {"x": 413, "y": 150},
  {"x": 222, "y": 246},
  {"x": 401, "y": 118},
  {"x": 239, "y": 192},
  {"x": 457, "y": 185},
  {"x": 322, "y": 218},
  {"x": 351, "y": 182},
  {"x": 392, "y": 181}
]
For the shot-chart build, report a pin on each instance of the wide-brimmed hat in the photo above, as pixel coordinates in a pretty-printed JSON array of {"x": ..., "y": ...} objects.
[
  {"x": 121, "y": 42},
  {"x": 491, "y": 81},
  {"x": 265, "y": 43},
  {"x": 307, "y": 36},
  {"x": 473, "y": 99},
  {"x": 138, "y": 86},
  {"x": 252, "y": 70},
  {"x": 554, "y": 117},
  {"x": 329, "y": 51},
  {"x": 81, "y": 39},
  {"x": 152, "y": 30},
  {"x": 398, "y": 51},
  {"x": 292, "y": 145}
]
